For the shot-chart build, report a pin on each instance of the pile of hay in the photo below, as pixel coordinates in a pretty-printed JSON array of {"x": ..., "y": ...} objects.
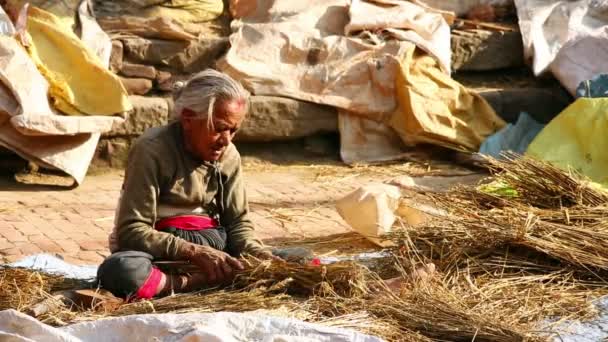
[
  {"x": 509, "y": 258},
  {"x": 529, "y": 246},
  {"x": 20, "y": 288}
]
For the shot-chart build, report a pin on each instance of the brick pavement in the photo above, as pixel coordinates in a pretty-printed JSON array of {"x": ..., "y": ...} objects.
[{"x": 75, "y": 223}]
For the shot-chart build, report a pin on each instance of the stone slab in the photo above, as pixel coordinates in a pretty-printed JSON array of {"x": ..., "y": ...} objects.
[
  {"x": 482, "y": 50},
  {"x": 147, "y": 112},
  {"x": 179, "y": 56},
  {"x": 276, "y": 118}
]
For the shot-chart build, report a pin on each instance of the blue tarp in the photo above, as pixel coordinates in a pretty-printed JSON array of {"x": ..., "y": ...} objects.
[{"x": 514, "y": 138}]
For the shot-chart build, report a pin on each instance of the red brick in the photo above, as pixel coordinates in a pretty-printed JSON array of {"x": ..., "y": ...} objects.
[
  {"x": 69, "y": 246},
  {"x": 98, "y": 234},
  {"x": 12, "y": 235},
  {"x": 64, "y": 226},
  {"x": 89, "y": 257},
  {"x": 38, "y": 238},
  {"x": 80, "y": 236},
  {"x": 11, "y": 217},
  {"x": 49, "y": 247},
  {"x": 104, "y": 224},
  {"x": 104, "y": 254},
  {"x": 13, "y": 258},
  {"x": 72, "y": 260},
  {"x": 36, "y": 220},
  {"x": 29, "y": 249},
  {"x": 93, "y": 245},
  {"x": 27, "y": 228},
  {"x": 55, "y": 234},
  {"x": 86, "y": 212},
  {"x": 47, "y": 213},
  {"x": 77, "y": 220},
  {"x": 4, "y": 244},
  {"x": 11, "y": 251}
]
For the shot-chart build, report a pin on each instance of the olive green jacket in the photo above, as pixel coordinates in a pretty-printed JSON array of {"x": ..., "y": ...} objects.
[{"x": 162, "y": 179}]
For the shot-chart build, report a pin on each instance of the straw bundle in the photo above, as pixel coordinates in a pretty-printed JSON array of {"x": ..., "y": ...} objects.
[
  {"x": 344, "y": 278},
  {"x": 539, "y": 208},
  {"x": 584, "y": 246},
  {"x": 543, "y": 185},
  {"x": 424, "y": 309},
  {"x": 19, "y": 288},
  {"x": 205, "y": 301}
]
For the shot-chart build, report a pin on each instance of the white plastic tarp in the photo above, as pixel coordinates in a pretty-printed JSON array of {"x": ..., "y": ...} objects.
[
  {"x": 582, "y": 59},
  {"x": 565, "y": 37},
  {"x": 203, "y": 327}
]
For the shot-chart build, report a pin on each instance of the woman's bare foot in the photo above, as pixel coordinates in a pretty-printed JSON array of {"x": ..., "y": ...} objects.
[
  {"x": 181, "y": 283},
  {"x": 423, "y": 273}
]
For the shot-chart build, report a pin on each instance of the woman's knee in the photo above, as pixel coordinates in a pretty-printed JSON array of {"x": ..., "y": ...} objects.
[{"x": 129, "y": 274}]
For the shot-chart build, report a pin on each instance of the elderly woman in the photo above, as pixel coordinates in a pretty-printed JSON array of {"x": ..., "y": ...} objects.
[{"x": 183, "y": 196}]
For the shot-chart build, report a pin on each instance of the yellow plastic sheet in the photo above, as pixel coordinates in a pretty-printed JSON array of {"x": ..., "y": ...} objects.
[
  {"x": 576, "y": 139},
  {"x": 79, "y": 84},
  {"x": 435, "y": 109}
]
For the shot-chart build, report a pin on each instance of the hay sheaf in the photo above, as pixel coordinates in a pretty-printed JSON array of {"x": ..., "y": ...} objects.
[
  {"x": 507, "y": 262},
  {"x": 20, "y": 287}
]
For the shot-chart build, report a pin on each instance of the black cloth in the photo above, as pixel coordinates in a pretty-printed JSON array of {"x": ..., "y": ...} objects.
[
  {"x": 215, "y": 238},
  {"x": 124, "y": 272}
]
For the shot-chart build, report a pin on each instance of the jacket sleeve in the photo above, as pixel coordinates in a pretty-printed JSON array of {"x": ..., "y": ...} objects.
[
  {"x": 137, "y": 207},
  {"x": 241, "y": 235}
]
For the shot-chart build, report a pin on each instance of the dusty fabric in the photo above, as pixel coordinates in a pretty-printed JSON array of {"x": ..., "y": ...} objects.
[
  {"x": 405, "y": 21},
  {"x": 435, "y": 109},
  {"x": 161, "y": 172},
  {"x": 190, "y": 11},
  {"x": 79, "y": 83},
  {"x": 307, "y": 51},
  {"x": 92, "y": 35},
  {"x": 367, "y": 141},
  {"x": 31, "y": 128},
  {"x": 6, "y": 25},
  {"x": 581, "y": 59},
  {"x": 546, "y": 25},
  {"x": 161, "y": 27},
  {"x": 74, "y": 15},
  {"x": 300, "y": 50},
  {"x": 461, "y": 7},
  {"x": 64, "y": 10}
]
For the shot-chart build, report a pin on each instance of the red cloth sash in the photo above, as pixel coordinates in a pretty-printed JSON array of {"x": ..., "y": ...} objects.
[{"x": 187, "y": 222}]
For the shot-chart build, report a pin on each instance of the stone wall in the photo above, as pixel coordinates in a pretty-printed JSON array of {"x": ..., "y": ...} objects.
[{"x": 149, "y": 67}]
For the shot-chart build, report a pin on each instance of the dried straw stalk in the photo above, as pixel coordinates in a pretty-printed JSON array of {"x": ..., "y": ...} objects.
[
  {"x": 426, "y": 309},
  {"x": 345, "y": 278},
  {"x": 543, "y": 185},
  {"x": 19, "y": 287}
]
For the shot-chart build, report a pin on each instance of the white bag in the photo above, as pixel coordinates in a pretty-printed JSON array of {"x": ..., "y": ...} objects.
[{"x": 370, "y": 210}]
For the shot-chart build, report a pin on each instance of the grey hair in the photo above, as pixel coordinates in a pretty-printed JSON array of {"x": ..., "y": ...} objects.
[{"x": 203, "y": 90}]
